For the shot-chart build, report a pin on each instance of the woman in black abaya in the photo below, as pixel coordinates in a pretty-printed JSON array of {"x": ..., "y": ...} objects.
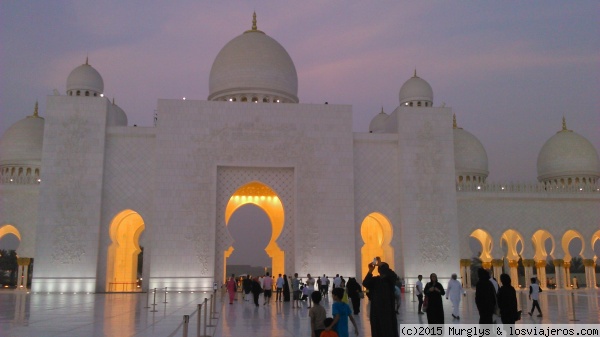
[{"x": 434, "y": 292}]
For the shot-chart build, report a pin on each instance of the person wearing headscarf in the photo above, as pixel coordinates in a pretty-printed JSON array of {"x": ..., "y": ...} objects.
[
  {"x": 384, "y": 322},
  {"x": 353, "y": 289},
  {"x": 485, "y": 297},
  {"x": 507, "y": 301},
  {"x": 286, "y": 289},
  {"x": 434, "y": 292}
]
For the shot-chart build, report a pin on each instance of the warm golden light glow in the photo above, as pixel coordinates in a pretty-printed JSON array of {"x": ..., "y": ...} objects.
[
  {"x": 376, "y": 232},
  {"x": 539, "y": 238},
  {"x": 512, "y": 238},
  {"x": 486, "y": 244},
  {"x": 10, "y": 229},
  {"x": 265, "y": 198},
  {"x": 122, "y": 259},
  {"x": 566, "y": 239}
]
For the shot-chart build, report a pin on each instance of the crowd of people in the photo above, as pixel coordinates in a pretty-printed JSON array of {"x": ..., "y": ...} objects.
[{"x": 495, "y": 304}]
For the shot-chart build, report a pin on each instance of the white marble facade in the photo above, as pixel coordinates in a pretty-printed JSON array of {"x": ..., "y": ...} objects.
[{"x": 179, "y": 176}]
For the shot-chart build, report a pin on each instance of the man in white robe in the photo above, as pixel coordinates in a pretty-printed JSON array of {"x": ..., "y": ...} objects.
[{"x": 454, "y": 292}]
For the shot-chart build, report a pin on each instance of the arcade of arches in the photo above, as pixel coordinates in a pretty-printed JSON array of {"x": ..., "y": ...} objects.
[
  {"x": 266, "y": 199},
  {"x": 544, "y": 246}
]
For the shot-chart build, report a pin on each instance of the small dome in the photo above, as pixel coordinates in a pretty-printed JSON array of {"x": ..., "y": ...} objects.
[
  {"x": 116, "y": 116},
  {"x": 21, "y": 144},
  {"x": 470, "y": 158},
  {"x": 253, "y": 67},
  {"x": 377, "y": 124},
  {"x": 85, "y": 79},
  {"x": 417, "y": 91},
  {"x": 567, "y": 155}
]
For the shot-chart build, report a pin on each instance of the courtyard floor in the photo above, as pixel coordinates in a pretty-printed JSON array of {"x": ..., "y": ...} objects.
[{"x": 120, "y": 314}]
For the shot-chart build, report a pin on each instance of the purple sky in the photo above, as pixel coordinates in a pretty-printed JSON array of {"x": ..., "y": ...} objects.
[{"x": 509, "y": 70}]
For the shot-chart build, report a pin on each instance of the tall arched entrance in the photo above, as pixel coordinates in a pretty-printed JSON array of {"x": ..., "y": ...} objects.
[
  {"x": 123, "y": 252},
  {"x": 265, "y": 198},
  {"x": 376, "y": 232}
]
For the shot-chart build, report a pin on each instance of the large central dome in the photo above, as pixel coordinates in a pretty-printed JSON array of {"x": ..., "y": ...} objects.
[{"x": 253, "y": 67}]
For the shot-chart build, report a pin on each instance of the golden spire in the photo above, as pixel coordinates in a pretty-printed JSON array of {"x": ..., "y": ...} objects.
[
  {"x": 254, "y": 28},
  {"x": 35, "y": 111},
  {"x": 415, "y": 75},
  {"x": 86, "y": 60},
  {"x": 564, "y": 124},
  {"x": 454, "y": 125},
  {"x": 382, "y": 110}
]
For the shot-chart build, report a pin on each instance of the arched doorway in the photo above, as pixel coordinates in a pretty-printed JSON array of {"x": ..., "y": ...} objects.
[
  {"x": 123, "y": 253},
  {"x": 514, "y": 244},
  {"x": 376, "y": 232},
  {"x": 573, "y": 246},
  {"x": 266, "y": 199},
  {"x": 11, "y": 270},
  {"x": 10, "y": 237}
]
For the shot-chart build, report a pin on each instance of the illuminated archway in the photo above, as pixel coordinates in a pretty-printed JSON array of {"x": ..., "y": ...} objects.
[
  {"x": 486, "y": 244},
  {"x": 566, "y": 239},
  {"x": 376, "y": 232},
  {"x": 512, "y": 238},
  {"x": 539, "y": 245},
  {"x": 10, "y": 229},
  {"x": 265, "y": 198},
  {"x": 122, "y": 257},
  {"x": 595, "y": 237}
]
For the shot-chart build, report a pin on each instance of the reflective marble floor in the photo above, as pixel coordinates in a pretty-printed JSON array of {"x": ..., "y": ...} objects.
[{"x": 74, "y": 315}]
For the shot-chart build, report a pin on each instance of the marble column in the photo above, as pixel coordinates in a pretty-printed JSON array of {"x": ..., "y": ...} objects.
[
  {"x": 497, "y": 265},
  {"x": 567, "y": 267},
  {"x": 559, "y": 272},
  {"x": 514, "y": 273},
  {"x": 23, "y": 263},
  {"x": 528, "y": 264},
  {"x": 541, "y": 273},
  {"x": 465, "y": 272},
  {"x": 590, "y": 273}
]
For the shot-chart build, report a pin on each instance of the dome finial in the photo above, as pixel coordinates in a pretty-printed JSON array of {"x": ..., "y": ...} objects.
[
  {"x": 86, "y": 60},
  {"x": 382, "y": 110},
  {"x": 35, "y": 111},
  {"x": 454, "y": 125},
  {"x": 564, "y": 124},
  {"x": 113, "y": 101},
  {"x": 415, "y": 75},
  {"x": 254, "y": 21}
]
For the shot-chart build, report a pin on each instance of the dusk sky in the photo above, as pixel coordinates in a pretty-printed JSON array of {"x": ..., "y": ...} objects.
[{"x": 509, "y": 70}]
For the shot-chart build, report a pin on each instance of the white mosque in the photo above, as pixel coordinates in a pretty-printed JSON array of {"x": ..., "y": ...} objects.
[{"x": 83, "y": 191}]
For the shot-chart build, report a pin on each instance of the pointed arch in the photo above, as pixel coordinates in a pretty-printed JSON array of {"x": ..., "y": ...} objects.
[
  {"x": 566, "y": 239},
  {"x": 376, "y": 232},
  {"x": 539, "y": 239},
  {"x": 512, "y": 239},
  {"x": 123, "y": 252},
  {"x": 261, "y": 195},
  {"x": 10, "y": 229},
  {"x": 487, "y": 244},
  {"x": 595, "y": 237}
]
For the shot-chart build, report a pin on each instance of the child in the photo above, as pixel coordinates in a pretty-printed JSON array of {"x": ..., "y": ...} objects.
[
  {"x": 341, "y": 312},
  {"x": 317, "y": 315}
]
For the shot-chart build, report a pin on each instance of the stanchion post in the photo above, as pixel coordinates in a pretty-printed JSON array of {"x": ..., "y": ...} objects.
[
  {"x": 412, "y": 290},
  {"x": 212, "y": 303},
  {"x": 186, "y": 321},
  {"x": 147, "y": 301},
  {"x": 165, "y": 295},
  {"x": 154, "y": 301},
  {"x": 205, "y": 310},
  {"x": 199, "y": 311}
]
